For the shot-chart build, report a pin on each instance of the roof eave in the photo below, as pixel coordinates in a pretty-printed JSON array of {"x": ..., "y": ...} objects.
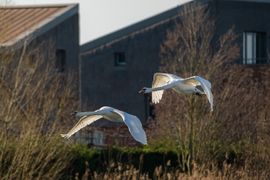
[
  {"x": 102, "y": 41},
  {"x": 132, "y": 28}
]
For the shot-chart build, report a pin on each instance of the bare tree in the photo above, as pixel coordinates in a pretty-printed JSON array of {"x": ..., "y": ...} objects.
[
  {"x": 36, "y": 101},
  {"x": 241, "y": 93},
  {"x": 192, "y": 48}
]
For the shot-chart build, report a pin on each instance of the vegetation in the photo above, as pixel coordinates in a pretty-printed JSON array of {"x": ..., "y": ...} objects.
[
  {"x": 240, "y": 116},
  {"x": 187, "y": 142},
  {"x": 34, "y": 107}
]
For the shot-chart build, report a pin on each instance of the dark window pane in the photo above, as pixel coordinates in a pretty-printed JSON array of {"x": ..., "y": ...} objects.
[
  {"x": 60, "y": 60},
  {"x": 119, "y": 59},
  {"x": 254, "y": 48},
  {"x": 261, "y": 48}
]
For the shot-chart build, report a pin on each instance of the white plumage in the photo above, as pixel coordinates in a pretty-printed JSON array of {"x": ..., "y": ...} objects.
[
  {"x": 163, "y": 81},
  {"x": 133, "y": 123}
]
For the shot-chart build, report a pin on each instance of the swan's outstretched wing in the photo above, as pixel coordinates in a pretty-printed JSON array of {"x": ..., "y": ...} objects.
[
  {"x": 134, "y": 126},
  {"x": 84, "y": 121},
  {"x": 205, "y": 84},
  {"x": 159, "y": 80},
  {"x": 193, "y": 81}
]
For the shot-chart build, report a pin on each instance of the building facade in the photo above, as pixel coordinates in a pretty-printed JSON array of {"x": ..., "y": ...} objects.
[
  {"x": 115, "y": 67},
  {"x": 40, "y": 44},
  {"x": 56, "y": 26}
]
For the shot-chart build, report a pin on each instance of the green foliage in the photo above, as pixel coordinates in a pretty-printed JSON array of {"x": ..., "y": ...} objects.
[
  {"x": 146, "y": 159},
  {"x": 84, "y": 157}
]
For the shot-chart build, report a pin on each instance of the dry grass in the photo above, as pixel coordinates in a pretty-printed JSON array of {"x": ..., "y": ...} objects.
[{"x": 129, "y": 172}]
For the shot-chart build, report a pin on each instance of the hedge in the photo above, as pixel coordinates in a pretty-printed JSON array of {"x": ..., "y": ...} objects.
[{"x": 106, "y": 160}]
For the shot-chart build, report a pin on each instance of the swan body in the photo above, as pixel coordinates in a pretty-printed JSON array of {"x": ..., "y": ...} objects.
[
  {"x": 163, "y": 81},
  {"x": 133, "y": 123}
]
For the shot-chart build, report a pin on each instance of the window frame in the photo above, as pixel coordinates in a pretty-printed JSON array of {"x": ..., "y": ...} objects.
[
  {"x": 98, "y": 138},
  {"x": 254, "y": 48},
  {"x": 120, "y": 59}
]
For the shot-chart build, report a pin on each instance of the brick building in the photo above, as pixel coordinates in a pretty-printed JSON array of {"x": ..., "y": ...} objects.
[{"x": 114, "y": 67}]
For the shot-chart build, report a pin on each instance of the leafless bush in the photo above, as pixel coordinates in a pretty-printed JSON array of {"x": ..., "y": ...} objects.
[
  {"x": 241, "y": 93},
  {"x": 36, "y": 102}
]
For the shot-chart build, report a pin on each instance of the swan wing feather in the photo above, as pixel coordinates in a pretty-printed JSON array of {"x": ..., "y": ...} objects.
[
  {"x": 159, "y": 80},
  {"x": 134, "y": 126},
  {"x": 205, "y": 84},
  {"x": 83, "y": 122}
]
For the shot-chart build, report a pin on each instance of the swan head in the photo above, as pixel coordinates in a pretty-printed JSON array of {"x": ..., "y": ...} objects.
[
  {"x": 144, "y": 90},
  {"x": 74, "y": 113}
]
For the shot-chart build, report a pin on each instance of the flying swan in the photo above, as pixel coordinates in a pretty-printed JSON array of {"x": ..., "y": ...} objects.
[
  {"x": 133, "y": 123},
  {"x": 162, "y": 81}
]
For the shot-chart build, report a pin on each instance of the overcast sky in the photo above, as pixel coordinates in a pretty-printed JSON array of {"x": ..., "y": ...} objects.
[{"x": 100, "y": 17}]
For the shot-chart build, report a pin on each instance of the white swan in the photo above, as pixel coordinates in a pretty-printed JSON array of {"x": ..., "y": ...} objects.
[
  {"x": 133, "y": 123},
  {"x": 162, "y": 81}
]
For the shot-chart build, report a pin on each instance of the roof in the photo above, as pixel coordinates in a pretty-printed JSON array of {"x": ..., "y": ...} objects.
[
  {"x": 18, "y": 22},
  {"x": 130, "y": 30},
  {"x": 148, "y": 23},
  {"x": 255, "y": 1}
]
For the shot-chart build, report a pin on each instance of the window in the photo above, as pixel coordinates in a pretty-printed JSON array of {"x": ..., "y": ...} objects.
[
  {"x": 98, "y": 138},
  {"x": 254, "y": 48},
  {"x": 119, "y": 59},
  {"x": 60, "y": 60},
  {"x": 84, "y": 137}
]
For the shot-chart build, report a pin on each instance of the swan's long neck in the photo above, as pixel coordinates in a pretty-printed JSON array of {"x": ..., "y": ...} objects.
[
  {"x": 168, "y": 86},
  {"x": 97, "y": 112}
]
